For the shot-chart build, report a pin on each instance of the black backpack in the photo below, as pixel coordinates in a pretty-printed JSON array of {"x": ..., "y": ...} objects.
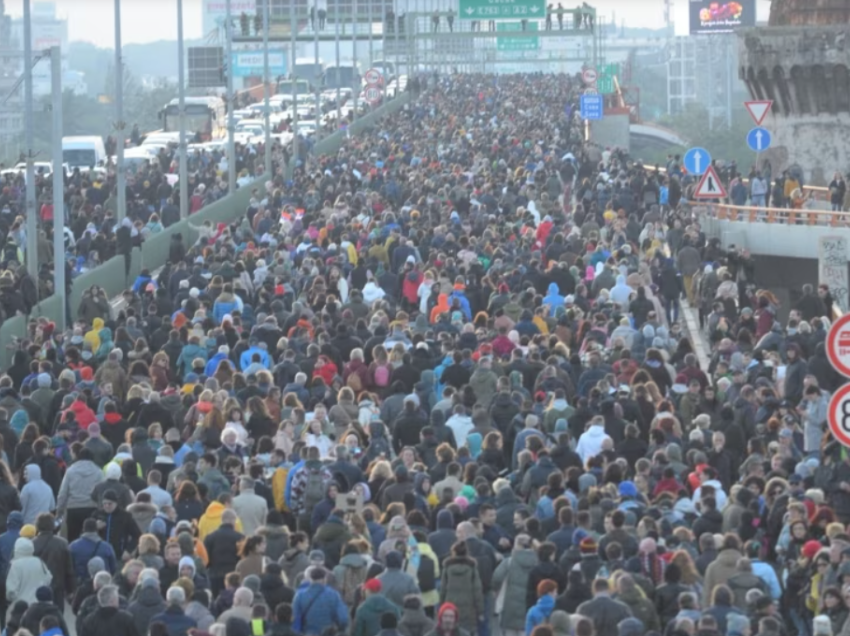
[{"x": 427, "y": 574}]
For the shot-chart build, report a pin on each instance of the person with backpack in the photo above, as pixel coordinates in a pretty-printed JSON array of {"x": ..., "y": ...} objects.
[
  {"x": 351, "y": 573},
  {"x": 309, "y": 487},
  {"x": 318, "y": 607}
]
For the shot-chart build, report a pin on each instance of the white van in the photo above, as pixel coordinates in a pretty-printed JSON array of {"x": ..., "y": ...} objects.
[{"x": 83, "y": 152}]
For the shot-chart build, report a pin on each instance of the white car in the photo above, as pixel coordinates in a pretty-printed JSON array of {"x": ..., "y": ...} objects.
[{"x": 307, "y": 127}]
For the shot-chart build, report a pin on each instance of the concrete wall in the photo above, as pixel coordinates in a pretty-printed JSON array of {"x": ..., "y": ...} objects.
[{"x": 611, "y": 130}]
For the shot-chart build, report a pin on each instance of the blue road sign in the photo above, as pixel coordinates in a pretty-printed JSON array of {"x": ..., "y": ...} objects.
[
  {"x": 758, "y": 139},
  {"x": 697, "y": 160},
  {"x": 592, "y": 106}
]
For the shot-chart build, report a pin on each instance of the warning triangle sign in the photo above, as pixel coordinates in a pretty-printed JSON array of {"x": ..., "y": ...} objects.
[
  {"x": 709, "y": 186},
  {"x": 759, "y": 109}
]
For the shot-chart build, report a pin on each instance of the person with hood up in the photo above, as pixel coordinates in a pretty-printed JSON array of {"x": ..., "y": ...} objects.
[
  {"x": 113, "y": 482},
  {"x": 448, "y": 622},
  {"x": 461, "y": 582},
  {"x": 539, "y": 614},
  {"x": 36, "y": 495},
  {"x": 27, "y": 573},
  {"x": 621, "y": 293},
  {"x": 591, "y": 441},
  {"x": 444, "y": 537},
  {"x": 210, "y": 521},
  {"x": 513, "y": 574},
  {"x": 368, "y": 618},
  {"x": 74, "y": 500},
  {"x": 484, "y": 382},
  {"x": 553, "y": 299},
  {"x": 372, "y": 291},
  {"x": 93, "y": 336},
  {"x": 442, "y": 307}
]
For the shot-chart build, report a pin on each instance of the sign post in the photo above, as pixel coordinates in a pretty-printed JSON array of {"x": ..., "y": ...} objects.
[
  {"x": 503, "y": 9},
  {"x": 758, "y": 139},
  {"x": 758, "y": 110},
  {"x": 696, "y": 160},
  {"x": 838, "y": 353},
  {"x": 592, "y": 106},
  {"x": 710, "y": 186}
]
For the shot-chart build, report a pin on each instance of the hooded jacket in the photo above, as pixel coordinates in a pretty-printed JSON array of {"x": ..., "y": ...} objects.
[
  {"x": 514, "y": 573},
  {"x": 210, "y": 521},
  {"x": 79, "y": 482},
  {"x": 36, "y": 495},
  {"x": 553, "y": 299},
  {"x": 367, "y": 619},
  {"x": 26, "y": 574},
  {"x": 461, "y": 583}
]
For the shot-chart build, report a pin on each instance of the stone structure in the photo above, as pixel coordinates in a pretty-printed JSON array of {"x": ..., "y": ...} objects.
[
  {"x": 805, "y": 70},
  {"x": 809, "y": 12}
]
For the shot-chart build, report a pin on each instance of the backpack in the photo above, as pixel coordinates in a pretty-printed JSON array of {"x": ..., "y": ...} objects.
[
  {"x": 353, "y": 382},
  {"x": 427, "y": 574},
  {"x": 382, "y": 375},
  {"x": 10, "y": 254},
  {"x": 314, "y": 489},
  {"x": 352, "y": 579},
  {"x": 279, "y": 488}
]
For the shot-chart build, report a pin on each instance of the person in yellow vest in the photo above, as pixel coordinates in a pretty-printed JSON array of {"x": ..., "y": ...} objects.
[{"x": 211, "y": 520}]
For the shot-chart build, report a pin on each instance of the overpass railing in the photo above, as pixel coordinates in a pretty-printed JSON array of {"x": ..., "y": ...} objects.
[{"x": 773, "y": 216}]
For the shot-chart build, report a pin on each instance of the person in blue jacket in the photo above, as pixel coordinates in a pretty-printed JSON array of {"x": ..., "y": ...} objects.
[
  {"x": 318, "y": 607},
  {"x": 459, "y": 294},
  {"x": 547, "y": 589},
  {"x": 14, "y": 523},
  {"x": 212, "y": 365},
  {"x": 245, "y": 358},
  {"x": 553, "y": 299},
  {"x": 88, "y": 546}
]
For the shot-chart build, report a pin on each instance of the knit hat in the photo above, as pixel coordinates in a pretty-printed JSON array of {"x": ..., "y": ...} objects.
[
  {"x": 150, "y": 581},
  {"x": 579, "y": 534},
  {"x": 44, "y": 594},
  {"x": 546, "y": 586},
  {"x": 110, "y": 495},
  {"x": 588, "y": 546},
  {"x": 628, "y": 489},
  {"x": 630, "y": 627},
  {"x": 28, "y": 531},
  {"x": 317, "y": 556},
  {"x": 373, "y": 586},
  {"x": 810, "y": 548}
]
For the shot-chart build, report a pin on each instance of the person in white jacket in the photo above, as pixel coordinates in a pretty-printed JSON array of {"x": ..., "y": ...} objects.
[
  {"x": 27, "y": 573},
  {"x": 591, "y": 441}
]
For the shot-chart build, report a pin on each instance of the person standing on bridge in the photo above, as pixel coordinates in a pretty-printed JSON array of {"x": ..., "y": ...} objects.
[
  {"x": 758, "y": 190},
  {"x": 837, "y": 191}
]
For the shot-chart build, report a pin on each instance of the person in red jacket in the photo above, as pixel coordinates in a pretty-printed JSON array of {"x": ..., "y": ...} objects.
[
  {"x": 83, "y": 414},
  {"x": 325, "y": 369}
]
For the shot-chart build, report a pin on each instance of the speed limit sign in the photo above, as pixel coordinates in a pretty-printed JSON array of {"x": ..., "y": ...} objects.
[
  {"x": 838, "y": 415},
  {"x": 374, "y": 77},
  {"x": 372, "y": 94},
  {"x": 589, "y": 75}
]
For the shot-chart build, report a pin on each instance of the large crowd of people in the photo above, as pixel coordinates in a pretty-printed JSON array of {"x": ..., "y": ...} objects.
[{"x": 437, "y": 384}]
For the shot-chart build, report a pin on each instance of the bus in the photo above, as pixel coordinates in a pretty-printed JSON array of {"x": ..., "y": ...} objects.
[
  {"x": 205, "y": 117},
  {"x": 310, "y": 69},
  {"x": 284, "y": 87},
  {"x": 345, "y": 75}
]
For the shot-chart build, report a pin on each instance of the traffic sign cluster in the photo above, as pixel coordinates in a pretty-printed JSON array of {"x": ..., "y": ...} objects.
[
  {"x": 759, "y": 139},
  {"x": 838, "y": 352},
  {"x": 374, "y": 86}
]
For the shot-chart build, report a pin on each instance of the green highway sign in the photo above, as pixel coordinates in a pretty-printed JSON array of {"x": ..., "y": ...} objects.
[
  {"x": 605, "y": 84},
  {"x": 508, "y": 43},
  {"x": 501, "y": 9}
]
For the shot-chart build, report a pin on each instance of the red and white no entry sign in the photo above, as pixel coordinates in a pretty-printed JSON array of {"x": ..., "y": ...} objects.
[
  {"x": 372, "y": 94},
  {"x": 838, "y": 415},
  {"x": 589, "y": 75},
  {"x": 374, "y": 77},
  {"x": 838, "y": 345}
]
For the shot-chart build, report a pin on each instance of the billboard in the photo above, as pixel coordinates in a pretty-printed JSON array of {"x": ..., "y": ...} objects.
[
  {"x": 251, "y": 63},
  {"x": 717, "y": 16}
]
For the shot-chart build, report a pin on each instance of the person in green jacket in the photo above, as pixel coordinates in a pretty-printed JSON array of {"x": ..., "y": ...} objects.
[{"x": 367, "y": 619}]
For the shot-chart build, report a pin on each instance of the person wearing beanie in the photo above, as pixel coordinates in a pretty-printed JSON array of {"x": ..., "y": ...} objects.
[
  {"x": 369, "y": 616},
  {"x": 414, "y": 621},
  {"x": 113, "y": 482},
  {"x": 395, "y": 582},
  {"x": 28, "y": 531},
  {"x": 448, "y": 622},
  {"x": 44, "y": 606},
  {"x": 630, "y": 627},
  {"x": 547, "y": 590}
]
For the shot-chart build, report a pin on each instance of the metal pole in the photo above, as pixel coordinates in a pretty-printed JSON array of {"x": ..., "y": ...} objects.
[
  {"x": 184, "y": 169},
  {"x": 729, "y": 71},
  {"x": 396, "y": 30},
  {"x": 32, "y": 220},
  {"x": 58, "y": 187},
  {"x": 231, "y": 104},
  {"x": 293, "y": 30},
  {"x": 121, "y": 176},
  {"x": 354, "y": 48},
  {"x": 266, "y": 80},
  {"x": 371, "y": 20},
  {"x": 318, "y": 79},
  {"x": 336, "y": 43}
]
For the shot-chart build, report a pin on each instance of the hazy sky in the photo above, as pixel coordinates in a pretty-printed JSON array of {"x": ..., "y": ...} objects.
[{"x": 151, "y": 20}]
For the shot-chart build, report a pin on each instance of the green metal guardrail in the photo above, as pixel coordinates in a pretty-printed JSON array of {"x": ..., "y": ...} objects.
[{"x": 154, "y": 251}]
